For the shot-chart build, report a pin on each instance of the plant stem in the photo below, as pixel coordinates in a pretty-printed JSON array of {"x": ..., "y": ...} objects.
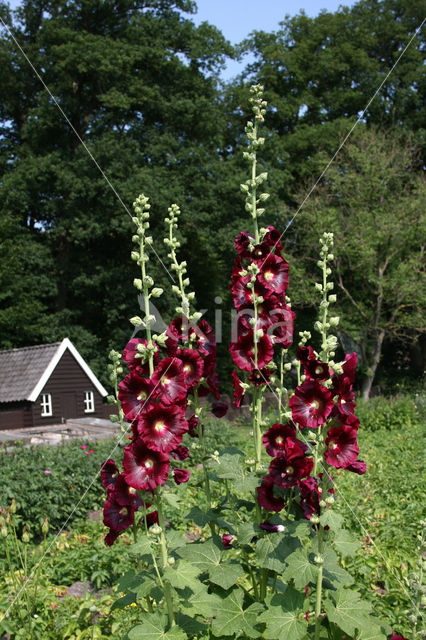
[
  {"x": 318, "y": 617},
  {"x": 163, "y": 548}
]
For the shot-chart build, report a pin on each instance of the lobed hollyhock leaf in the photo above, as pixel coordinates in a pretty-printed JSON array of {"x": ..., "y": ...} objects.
[
  {"x": 331, "y": 519},
  {"x": 153, "y": 629},
  {"x": 333, "y": 571},
  {"x": 345, "y": 543},
  {"x": 183, "y": 574},
  {"x": 282, "y": 616},
  {"x": 202, "y": 603},
  {"x": 226, "y": 574},
  {"x": 273, "y": 549},
  {"x": 349, "y": 612},
  {"x": 203, "y": 555},
  {"x": 300, "y": 569},
  {"x": 231, "y": 618}
]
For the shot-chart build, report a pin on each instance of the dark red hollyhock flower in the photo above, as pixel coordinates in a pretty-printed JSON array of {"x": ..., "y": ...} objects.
[
  {"x": 151, "y": 518},
  {"x": 238, "y": 389},
  {"x": 182, "y": 328},
  {"x": 180, "y": 453},
  {"x": 172, "y": 340},
  {"x": 273, "y": 274},
  {"x": 273, "y": 239},
  {"x": 395, "y": 637},
  {"x": 219, "y": 409},
  {"x": 109, "y": 474},
  {"x": 317, "y": 370},
  {"x": 129, "y": 356},
  {"x": 125, "y": 496},
  {"x": 111, "y": 537},
  {"x": 193, "y": 366},
  {"x": 266, "y": 497},
  {"x": 162, "y": 427},
  {"x": 144, "y": 468},
  {"x": 358, "y": 467},
  {"x": 169, "y": 380},
  {"x": 288, "y": 473},
  {"x": 274, "y": 439},
  {"x": 242, "y": 352},
  {"x": 205, "y": 338},
  {"x": 259, "y": 377},
  {"x": 282, "y": 326},
  {"x": 242, "y": 242},
  {"x": 116, "y": 516},
  {"x": 227, "y": 540},
  {"x": 193, "y": 423},
  {"x": 135, "y": 394},
  {"x": 311, "y": 404},
  {"x": 181, "y": 475},
  {"x": 271, "y": 528},
  {"x": 342, "y": 382},
  {"x": 341, "y": 446},
  {"x": 305, "y": 354},
  {"x": 310, "y": 495}
]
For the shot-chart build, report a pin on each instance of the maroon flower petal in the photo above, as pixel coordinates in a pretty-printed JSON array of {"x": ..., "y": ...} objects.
[
  {"x": 266, "y": 497},
  {"x": 273, "y": 273},
  {"x": 238, "y": 389},
  {"x": 243, "y": 353},
  {"x": 311, "y": 404},
  {"x": 288, "y": 473},
  {"x": 193, "y": 367},
  {"x": 169, "y": 380},
  {"x": 109, "y": 474},
  {"x": 130, "y": 356},
  {"x": 116, "y": 516},
  {"x": 181, "y": 475},
  {"x": 162, "y": 427},
  {"x": 144, "y": 468},
  {"x": 227, "y": 540},
  {"x": 358, "y": 467},
  {"x": 219, "y": 409},
  {"x": 135, "y": 394},
  {"x": 125, "y": 496},
  {"x": 341, "y": 446},
  {"x": 180, "y": 453},
  {"x": 275, "y": 438}
]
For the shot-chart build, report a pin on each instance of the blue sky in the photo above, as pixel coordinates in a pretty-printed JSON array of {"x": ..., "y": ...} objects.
[{"x": 237, "y": 18}]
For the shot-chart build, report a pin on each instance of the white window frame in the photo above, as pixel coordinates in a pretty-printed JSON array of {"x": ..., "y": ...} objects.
[
  {"x": 89, "y": 402},
  {"x": 46, "y": 405}
]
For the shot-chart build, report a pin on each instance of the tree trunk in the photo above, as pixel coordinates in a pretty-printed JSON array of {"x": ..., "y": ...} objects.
[{"x": 369, "y": 379}]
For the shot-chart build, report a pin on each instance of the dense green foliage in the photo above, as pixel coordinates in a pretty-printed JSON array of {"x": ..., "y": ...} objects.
[
  {"x": 138, "y": 84},
  {"x": 383, "y": 508}
]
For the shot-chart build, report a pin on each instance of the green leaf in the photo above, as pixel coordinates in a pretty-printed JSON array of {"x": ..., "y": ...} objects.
[
  {"x": 129, "y": 598},
  {"x": 373, "y": 633},
  {"x": 171, "y": 498},
  {"x": 273, "y": 549},
  {"x": 153, "y": 629},
  {"x": 226, "y": 574},
  {"x": 331, "y": 519},
  {"x": 175, "y": 540},
  {"x": 300, "y": 569},
  {"x": 282, "y": 616},
  {"x": 183, "y": 574},
  {"x": 191, "y": 624},
  {"x": 231, "y": 618},
  {"x": 246, "y": 532},
  {"x": 202, "y": 603},
  {"x": 345, "y": 543},
  {"x": 333, "y": 571},
  {"x": 349, "y": 612},
  {"x": 203, "y": 555},
  {"x": 142, "y": 547}
]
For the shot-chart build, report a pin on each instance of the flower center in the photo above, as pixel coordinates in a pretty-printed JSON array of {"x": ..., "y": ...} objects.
[
  {"x": 165, "y": 381},
  {"x": 269, "y": 275},
  {"x": 142, "y": 395},
  {"x": 187, "y": 368},
  {"x": 332, "y": 446},
  {"x": 132, "y": 491},
  {"x": 289, "y": 471},
  {"x": 148, "y": 464},
  {"x": 160, "y": 426},
  {"x": 279, "y": 440},
  {"x": 123, "y": 511},
  {"x": 318, "y": 370},
  {"x": 315, "y": 405}
]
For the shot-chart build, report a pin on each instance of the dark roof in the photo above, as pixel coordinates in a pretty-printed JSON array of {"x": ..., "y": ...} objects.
[{"x": 21, "y": 369}]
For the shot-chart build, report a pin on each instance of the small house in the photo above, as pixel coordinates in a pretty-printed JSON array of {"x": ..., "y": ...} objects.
[{"x": 47, "y": 384}]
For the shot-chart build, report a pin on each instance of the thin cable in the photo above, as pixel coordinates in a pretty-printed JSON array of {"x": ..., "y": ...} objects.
[{"x": 105, "y": 177}]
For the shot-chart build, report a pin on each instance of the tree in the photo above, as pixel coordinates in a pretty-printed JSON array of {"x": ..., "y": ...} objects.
[
  {"x": 138, "y": 83},
  {"x": 373, "y": 201}
]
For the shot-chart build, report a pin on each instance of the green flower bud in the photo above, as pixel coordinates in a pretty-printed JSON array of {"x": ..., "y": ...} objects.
[
  {"x": 137, "y": 282},
  {"x": 25, "y": 535},
  {"x": 332, "y": 298},
  {"x": 45, "y": 526},
  {"x": 157, "y": 292},
  {"x": 334, "y": 321},
  {"x": 13, "y": 506},
  {"x": 114, "y": 418},
  {"x": 134, "y": 255},
  {"x": 136, "y": 321}
]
